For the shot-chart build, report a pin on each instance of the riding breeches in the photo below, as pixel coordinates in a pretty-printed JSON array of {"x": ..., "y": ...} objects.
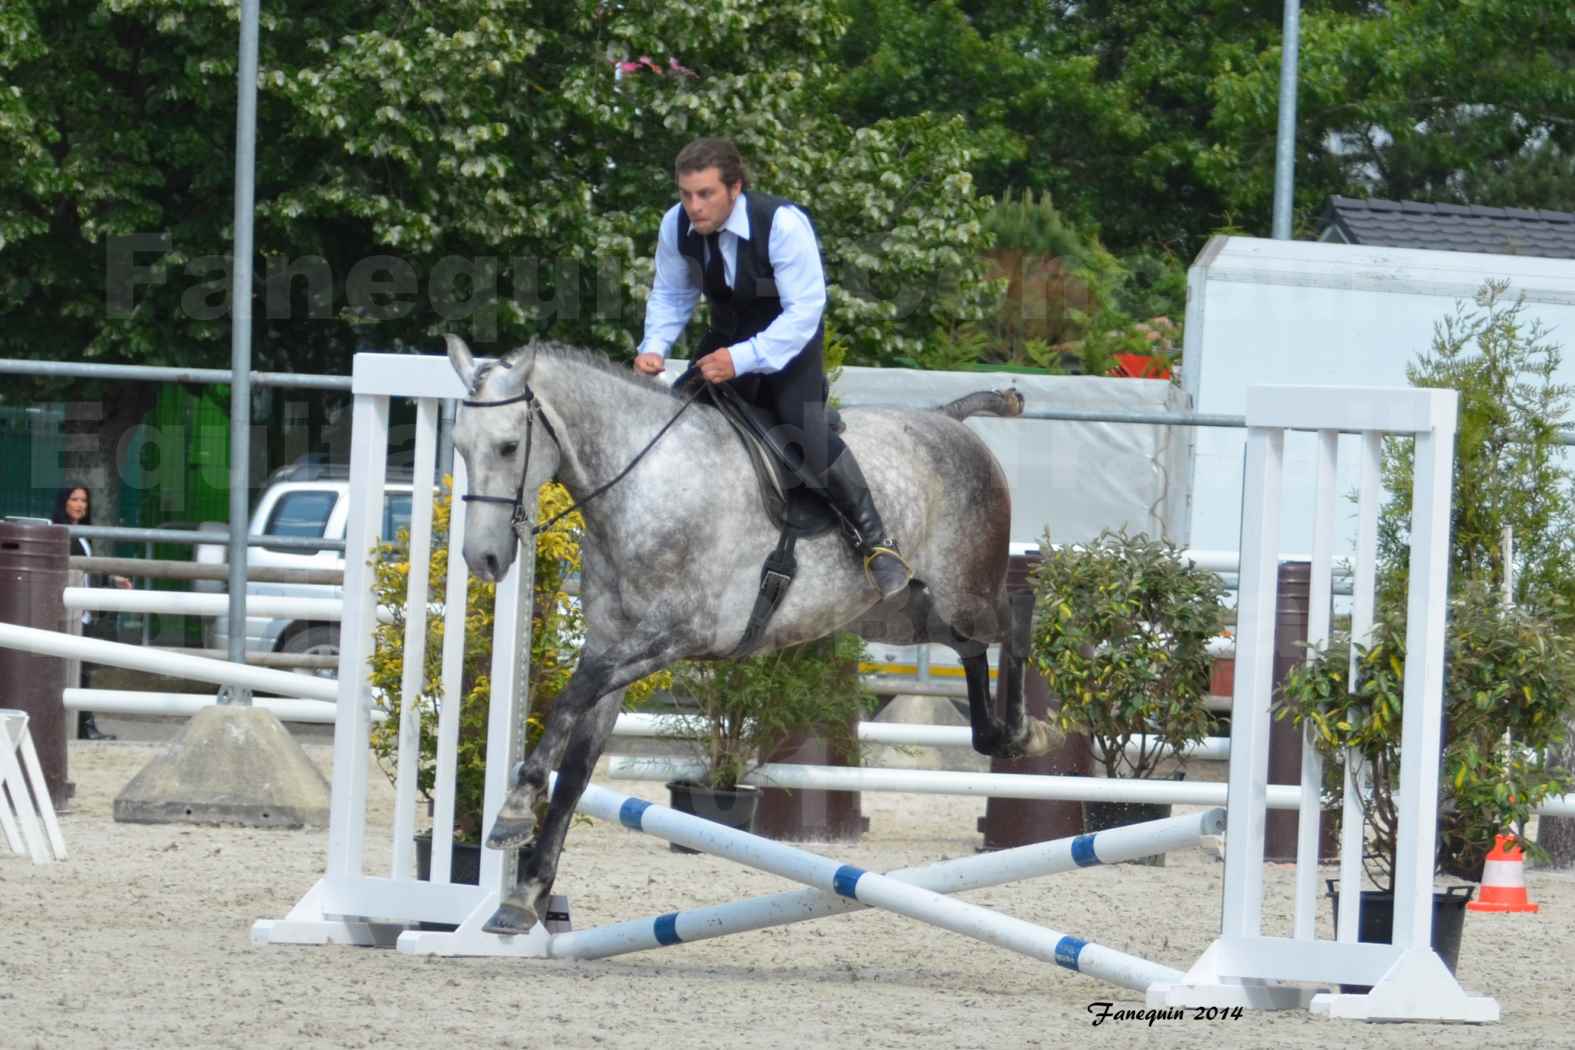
[{"x": 796, "y": 399}]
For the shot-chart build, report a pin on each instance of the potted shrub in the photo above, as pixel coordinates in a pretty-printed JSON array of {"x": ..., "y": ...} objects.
[
  {"x": 556, "y": 630},
  {"x": 733, "y": 714},
  {"x": 1121, "y": 638},
  {"x": 1509, "y": 670},
  {"x": 1508, "y": 679}
]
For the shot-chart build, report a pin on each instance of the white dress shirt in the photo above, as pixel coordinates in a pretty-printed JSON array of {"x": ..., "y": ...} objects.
[{"x": 800, "y": 281}]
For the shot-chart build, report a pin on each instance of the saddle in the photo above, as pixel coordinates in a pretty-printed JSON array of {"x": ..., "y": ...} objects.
[{"x": 795, "y": 508}]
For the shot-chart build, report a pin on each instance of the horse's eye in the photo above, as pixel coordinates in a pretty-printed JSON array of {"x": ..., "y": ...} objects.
[{"x": 508, "y": 448}]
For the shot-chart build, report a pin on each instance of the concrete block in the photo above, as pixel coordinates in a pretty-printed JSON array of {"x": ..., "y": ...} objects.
[{"x": 229, "y": 765}]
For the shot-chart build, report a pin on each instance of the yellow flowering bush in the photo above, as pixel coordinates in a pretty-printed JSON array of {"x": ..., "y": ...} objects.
[{"x": 556, "y": 631}]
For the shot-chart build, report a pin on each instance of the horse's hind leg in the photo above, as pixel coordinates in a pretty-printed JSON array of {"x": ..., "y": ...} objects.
[
  {"x": 1016, "y": 735},
  {"x": 1026, "y": 736},
  {"x": 988, "y": 732}
]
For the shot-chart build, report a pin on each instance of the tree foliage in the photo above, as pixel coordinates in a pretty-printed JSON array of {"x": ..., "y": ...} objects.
[
  {"x": 1510, "y": 470},
  {"x": 500, "y": 165},
  {"x": 495, "y": 165},
  {"x": 1155, "y": 123},
  {"x": 1508, "y": 684}
]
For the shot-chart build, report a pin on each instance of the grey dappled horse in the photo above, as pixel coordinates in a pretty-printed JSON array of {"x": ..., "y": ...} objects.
[{"x": 672, "y": 555}]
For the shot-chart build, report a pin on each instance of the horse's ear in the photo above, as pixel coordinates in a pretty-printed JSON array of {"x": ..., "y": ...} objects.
[
  {"x": 459, "y": 357},
  {"x": 520, "y": 360}
]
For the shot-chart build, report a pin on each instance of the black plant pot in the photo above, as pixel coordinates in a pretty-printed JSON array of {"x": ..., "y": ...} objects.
[
  {"x": 733, "y": 809},
  {"x": 464, "y": 861},
  {"x": 1102, "y": 816},
  {"x": 464, "y": 868},
  {"x": 1376, "y": 922}
]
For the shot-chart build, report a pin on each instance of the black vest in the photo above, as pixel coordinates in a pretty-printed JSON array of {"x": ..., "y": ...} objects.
[{"x": 755, "y": 302}]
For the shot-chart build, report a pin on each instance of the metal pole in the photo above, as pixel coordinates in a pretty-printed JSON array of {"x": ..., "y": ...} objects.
[
  {"x": 1509, "y": 566},
  {"x": 445, "y": 439},
  {"x": 241, "y": 342},
  {"x": 1285, "y": 144},
  {"x": 147, "y": 374}
]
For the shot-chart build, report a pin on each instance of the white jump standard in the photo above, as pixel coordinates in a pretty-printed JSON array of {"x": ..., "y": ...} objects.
[{"x": 1246, "y": 966}]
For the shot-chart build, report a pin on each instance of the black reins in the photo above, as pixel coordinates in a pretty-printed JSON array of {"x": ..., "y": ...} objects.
[{"x": 518, "y": 519}]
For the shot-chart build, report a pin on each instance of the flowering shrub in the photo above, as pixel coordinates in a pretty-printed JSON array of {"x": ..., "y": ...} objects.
[{"x": 556, "y": 630}]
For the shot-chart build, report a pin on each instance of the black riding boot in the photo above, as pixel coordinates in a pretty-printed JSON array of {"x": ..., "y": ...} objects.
[
  {"x": 87, "y": 728},
  {"x": 849, "y": 493}
]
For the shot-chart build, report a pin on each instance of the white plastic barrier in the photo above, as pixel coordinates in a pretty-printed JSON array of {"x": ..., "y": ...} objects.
[
  {"x": 27, "y": 814},
  {"x": 200, "y": 603},
  {"x": 161, "y": 661},
  {"x": 1246, "y": 965}
]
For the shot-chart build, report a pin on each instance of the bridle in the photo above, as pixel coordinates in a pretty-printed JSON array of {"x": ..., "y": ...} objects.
[{"x": 519, "y": 518}]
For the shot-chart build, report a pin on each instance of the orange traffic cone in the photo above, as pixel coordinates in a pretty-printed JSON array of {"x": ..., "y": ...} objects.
[{"x": 1504, "y": 879}]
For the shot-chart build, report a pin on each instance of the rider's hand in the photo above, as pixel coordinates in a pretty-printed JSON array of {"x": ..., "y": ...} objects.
[
  {"x": 717, "y": 367},
  {"x": 649, "y": 364}
]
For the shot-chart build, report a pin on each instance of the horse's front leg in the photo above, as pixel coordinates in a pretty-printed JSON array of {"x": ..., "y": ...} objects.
[
  {"x": 581, "y": 722},
  {"x": 526, "y": 902}
]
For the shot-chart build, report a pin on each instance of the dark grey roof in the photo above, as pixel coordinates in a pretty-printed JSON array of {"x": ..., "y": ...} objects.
[{"x": 1450, "y": 227}]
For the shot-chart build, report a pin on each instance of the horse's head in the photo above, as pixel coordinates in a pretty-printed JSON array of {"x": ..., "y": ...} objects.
[{"x": 509, "y": 451}]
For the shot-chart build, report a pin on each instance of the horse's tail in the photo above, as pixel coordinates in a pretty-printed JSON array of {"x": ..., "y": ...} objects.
[{"x": 985, "y": 402}]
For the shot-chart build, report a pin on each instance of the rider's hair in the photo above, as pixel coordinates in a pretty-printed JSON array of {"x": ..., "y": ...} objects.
[{"x": 720, "y": 154}]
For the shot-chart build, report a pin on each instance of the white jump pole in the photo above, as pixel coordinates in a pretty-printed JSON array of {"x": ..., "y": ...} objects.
[
  {"x": 952, "y": 876},
  {"x": 954, "y": 782},
  {"x": 160, "y": 661},
  {"x": 904, "y": 734},
  {"x": 876, "y": 891}
]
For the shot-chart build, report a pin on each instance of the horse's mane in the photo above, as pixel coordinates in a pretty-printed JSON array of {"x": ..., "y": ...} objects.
[{"x": 578, "y": 357}]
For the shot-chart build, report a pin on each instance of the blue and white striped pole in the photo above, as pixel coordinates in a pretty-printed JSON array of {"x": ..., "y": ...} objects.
[{"x": 837, "y": 887}]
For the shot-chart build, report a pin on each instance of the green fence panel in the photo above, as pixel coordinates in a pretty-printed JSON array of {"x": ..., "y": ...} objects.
[{"x": 32, "y": 444}]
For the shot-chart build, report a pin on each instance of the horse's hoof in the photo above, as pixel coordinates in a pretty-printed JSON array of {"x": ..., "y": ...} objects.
[
  {"x": 510, "y": 919},
  {"x": 510, "y": 832},
  {"x": 1042, "y": 739}
]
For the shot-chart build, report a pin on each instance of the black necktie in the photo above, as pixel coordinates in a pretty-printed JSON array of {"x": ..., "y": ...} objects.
[{"x": 715, "y": 276}]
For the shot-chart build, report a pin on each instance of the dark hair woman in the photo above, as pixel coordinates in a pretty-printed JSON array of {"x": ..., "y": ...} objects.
[{"x": 74, "y": 506}]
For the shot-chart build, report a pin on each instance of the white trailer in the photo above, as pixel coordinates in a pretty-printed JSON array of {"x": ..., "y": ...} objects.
[{"x": 1316, "y": 313}]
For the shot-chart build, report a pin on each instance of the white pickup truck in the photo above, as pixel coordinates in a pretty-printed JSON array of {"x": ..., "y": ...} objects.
[{"x": 307, "y": 499}]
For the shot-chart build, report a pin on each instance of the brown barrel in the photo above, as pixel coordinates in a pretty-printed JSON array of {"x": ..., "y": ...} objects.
[
  {"x": 1292, "y": 604},
  {"x": 32, "y": 577},
  {"x": 1009, "y": 822},
  {"x": 803, "y": 815}
]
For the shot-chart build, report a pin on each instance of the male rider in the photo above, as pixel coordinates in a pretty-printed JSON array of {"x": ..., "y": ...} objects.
[{"x": 755, "y": 259}]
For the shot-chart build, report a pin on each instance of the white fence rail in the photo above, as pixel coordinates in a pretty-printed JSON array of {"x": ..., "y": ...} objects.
[
  {"x": 193, "y": 603},
  {"x": 159, "y": 661},
  {"x": 182, "y": 705}
]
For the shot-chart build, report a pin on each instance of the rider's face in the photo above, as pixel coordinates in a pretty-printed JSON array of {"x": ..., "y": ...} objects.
[{"x": 707, "y": 200}]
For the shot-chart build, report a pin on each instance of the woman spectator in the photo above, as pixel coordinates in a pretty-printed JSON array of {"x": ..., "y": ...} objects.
[{"x": 74, "y": 506}]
